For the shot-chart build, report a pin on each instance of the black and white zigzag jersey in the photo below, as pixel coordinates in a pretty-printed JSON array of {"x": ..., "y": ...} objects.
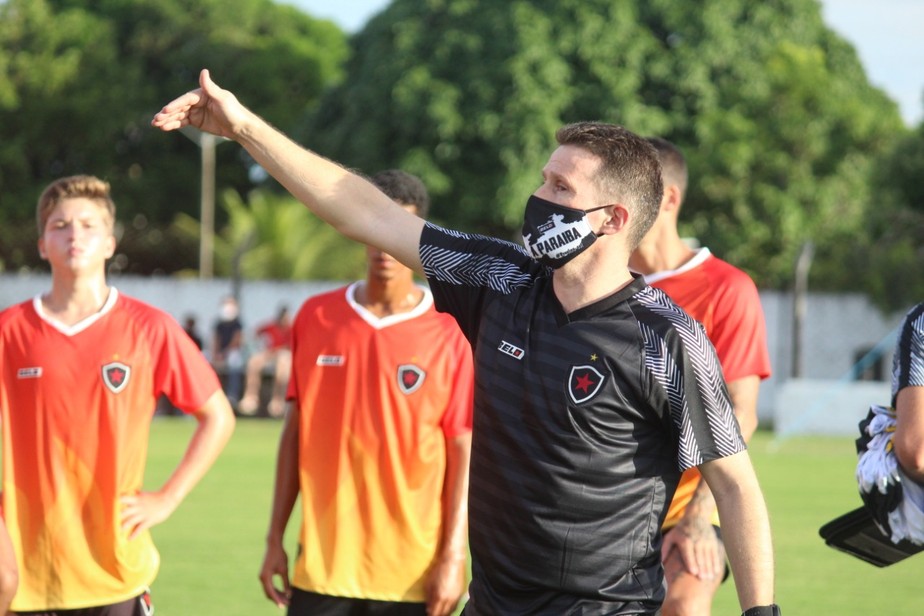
[
  {"x": 908, "y": 361},
  {"x": 582, "y": 425}
]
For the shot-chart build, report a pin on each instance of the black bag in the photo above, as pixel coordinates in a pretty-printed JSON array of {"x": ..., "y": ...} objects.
[
  {"x": 866, "y": 532},
  {"x": 857, "y": 534}
]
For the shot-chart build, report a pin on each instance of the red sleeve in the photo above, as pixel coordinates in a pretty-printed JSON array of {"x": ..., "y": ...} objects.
[
  {"x": 182, "y": 373},
  {"x": 739, "y": 332},
  {"x": 457, "y": 419},
  {"x": 299, "y": 328}
]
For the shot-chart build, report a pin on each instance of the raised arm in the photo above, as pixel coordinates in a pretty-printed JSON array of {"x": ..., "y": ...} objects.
[{"x": 345, "y": 200}]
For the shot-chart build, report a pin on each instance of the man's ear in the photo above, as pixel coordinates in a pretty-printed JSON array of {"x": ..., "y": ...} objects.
[
  {"x": 41, "y": 249},
  {"x": 618, "y": 220},
  {"x": 672, "y": 198}
]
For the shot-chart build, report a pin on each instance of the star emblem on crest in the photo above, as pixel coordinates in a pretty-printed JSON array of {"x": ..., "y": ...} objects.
[
  {"x": 116, "y": 376},
  {"x": 584, "y": 382}
]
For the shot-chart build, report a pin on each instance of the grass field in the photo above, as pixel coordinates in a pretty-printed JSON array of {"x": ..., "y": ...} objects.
[{"x": 212, "y": 547}]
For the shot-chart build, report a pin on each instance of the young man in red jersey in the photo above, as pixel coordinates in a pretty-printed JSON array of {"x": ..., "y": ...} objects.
[
  {"x": 377, "y": 442},
  {"x": 82, "y": 369},
  {"x": 724, "y": 299}
]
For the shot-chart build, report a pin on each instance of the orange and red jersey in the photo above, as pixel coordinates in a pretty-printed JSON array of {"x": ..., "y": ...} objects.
[
  {"x": 377, "y": 398},
  {"x": 76, "y": 405},
  {"x": 725, "y": 300}
]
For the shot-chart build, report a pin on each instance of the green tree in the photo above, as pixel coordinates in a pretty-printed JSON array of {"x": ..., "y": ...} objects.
[
  {"x": 275, "y": 237},
  {"x": 772, "y": 108},
  {"x": 81, "y": 79},
  {"x": 886, "y": 258}
]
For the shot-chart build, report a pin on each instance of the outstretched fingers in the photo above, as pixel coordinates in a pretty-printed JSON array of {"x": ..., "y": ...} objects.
[
  {"x": 182, "y": 111},
  {"x": 176, "y": 113},
  {"x": 208, "y": 108}
]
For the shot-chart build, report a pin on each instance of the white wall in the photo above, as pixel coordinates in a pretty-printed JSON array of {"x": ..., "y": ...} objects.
[
  {"x": 259, "y": 300},
  {"x": 812, "y": 406},
  {"x": 836, "y": 329}
]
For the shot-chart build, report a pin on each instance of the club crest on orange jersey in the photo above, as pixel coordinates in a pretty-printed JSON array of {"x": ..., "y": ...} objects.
[
  {"x": 584, "y": 383},
  {"x": 410, "y": 378},
  {"x": 116, "y": 375}
]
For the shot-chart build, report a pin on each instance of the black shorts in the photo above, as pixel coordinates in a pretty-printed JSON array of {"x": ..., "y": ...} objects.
[
  {"x": 304, "y": 603},
  {"x": 138, "y": 606},
  {"x": 655, "y": 613}
]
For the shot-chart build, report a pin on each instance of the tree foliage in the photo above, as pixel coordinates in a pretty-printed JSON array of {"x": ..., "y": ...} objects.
[
  {"x": 887, "y": 257},
  {"x": 275, "y": 237},
  {"x": 81, "y": 79},
  {"x": 772, "y": 109},
  {"x": 786, "y": 139}
]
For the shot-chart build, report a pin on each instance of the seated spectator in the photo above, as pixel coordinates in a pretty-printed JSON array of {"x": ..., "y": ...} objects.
[
  {"x": 227, "y": 348},
  {"x": 275, "y": 340}
]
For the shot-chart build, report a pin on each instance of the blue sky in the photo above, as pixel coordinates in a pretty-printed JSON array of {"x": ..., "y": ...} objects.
[{"x": 885, "y": 33}]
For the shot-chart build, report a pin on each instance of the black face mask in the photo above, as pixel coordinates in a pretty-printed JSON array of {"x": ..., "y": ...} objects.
[{"x": 554, "y": 234}]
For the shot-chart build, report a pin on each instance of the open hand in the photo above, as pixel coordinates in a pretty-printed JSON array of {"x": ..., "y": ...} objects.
[{"x": 208, "y": 108}]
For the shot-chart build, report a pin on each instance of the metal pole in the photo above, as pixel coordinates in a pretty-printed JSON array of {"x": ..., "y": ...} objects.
[
  {"x": 207, "y": 234},
  {"x": 800, "y": 305}
]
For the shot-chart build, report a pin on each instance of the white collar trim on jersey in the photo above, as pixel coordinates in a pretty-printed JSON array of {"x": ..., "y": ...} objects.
[
  {"x": 701, "y": 255},
  {"x": 76, "y": 328},
  {"x": 381, "y": 322}
]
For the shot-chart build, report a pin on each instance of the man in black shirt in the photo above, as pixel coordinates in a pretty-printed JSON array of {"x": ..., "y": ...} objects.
[{"x": 593, "y": 391}]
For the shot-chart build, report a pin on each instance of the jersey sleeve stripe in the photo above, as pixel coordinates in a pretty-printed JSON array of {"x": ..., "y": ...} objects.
[
  {"x": 908, "y": 366},
  {"x": 457, "y": 264},
  {"x": 708, "y": 398}
]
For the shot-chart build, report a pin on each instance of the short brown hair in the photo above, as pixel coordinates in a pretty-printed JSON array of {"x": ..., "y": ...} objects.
[
  {"x": 673, "y": 163},
  {"x": 73, "y": 187},
  {"x": 629, "y": 169}
]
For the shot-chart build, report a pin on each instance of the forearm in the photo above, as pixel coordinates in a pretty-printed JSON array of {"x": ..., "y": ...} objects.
[
  {"x": 215, "y": 426},
  {"x": 286, "y": 486},
  {"x": 346, "y": 201},
  {"x": 745, "y": 527},
  {"x": 453, "y": 543},
  {"x": 746, "y": 534},
  {"x": 743, "y": 394},
  {"x": 701, "y": 505}
]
